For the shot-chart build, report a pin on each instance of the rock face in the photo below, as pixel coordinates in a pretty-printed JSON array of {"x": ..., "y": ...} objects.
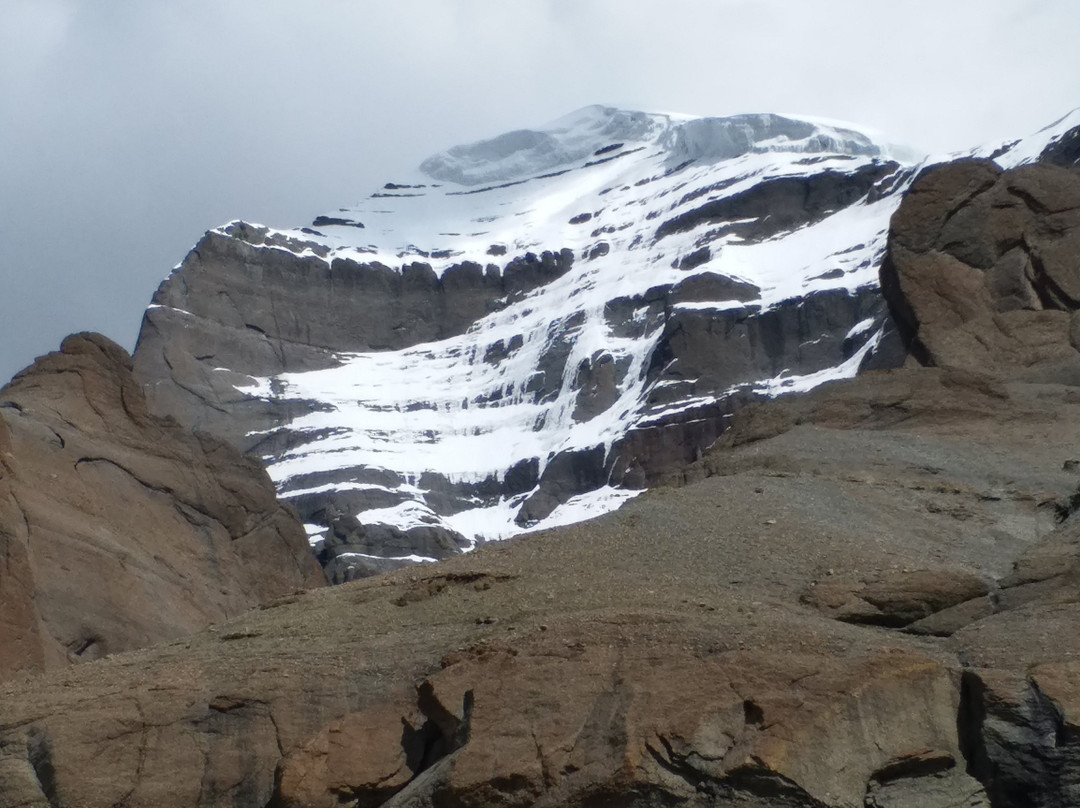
[
  {"x": 119, "y": 529},
  {"x": 863, "y": 596},
  {"x": 732, "y": 730},
  {"x": 533, "y": 331},
  {"x": 982, "y": 270}
]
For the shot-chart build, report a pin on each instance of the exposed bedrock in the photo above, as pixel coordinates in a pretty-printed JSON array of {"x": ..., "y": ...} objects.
[
  {"x": 983, "y": 270},
  {"x": 1064, "y": 151},
  {"x": 705, "y": 365},
  {"x": 749, "y": 638},
  {"x": 120, "y": 529},
  {"x": 670, "y": 354},
  {"x": 251, "y": 303},
  {"x": 703, "y": 351},
  {"x": 639, "y": 660},
  {"x": 783, "y": 204},
  {"x": 618, "y": 734},
  {"x": 245, "y": 303}
]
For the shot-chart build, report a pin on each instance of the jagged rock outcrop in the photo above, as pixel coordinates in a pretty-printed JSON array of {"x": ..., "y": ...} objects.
[
  {"x": 119, "y": 529},
  {"x": 736, "y": 729},
  {"x": 982, "y": 271}
]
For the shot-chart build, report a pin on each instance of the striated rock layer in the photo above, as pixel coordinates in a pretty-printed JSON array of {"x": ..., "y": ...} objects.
[
  {"x": 120, "y": 529},
  {"x": 533, "y": 329}
]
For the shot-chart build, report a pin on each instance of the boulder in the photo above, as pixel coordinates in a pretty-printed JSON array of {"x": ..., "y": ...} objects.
[
  {"x": 982, "y": 271},
  {"x": 895, "y": 598}
]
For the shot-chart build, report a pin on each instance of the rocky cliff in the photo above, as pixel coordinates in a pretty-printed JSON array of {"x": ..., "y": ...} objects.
[
  {"x": 119, "y": 529},
  {"x": 826, "y": 615},
  {"x": 864, "y": 596}
]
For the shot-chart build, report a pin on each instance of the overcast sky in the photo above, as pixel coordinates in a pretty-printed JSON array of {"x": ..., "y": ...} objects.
[{"x": 128, "y": 128}]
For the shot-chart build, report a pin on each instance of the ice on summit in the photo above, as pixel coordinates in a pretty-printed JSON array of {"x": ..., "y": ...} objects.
[
  {"x": 712, "y": 139},
  {"x": 596, "y": 131}
]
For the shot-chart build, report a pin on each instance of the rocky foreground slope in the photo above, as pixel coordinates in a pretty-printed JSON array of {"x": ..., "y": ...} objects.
[
  {"x": 118, "y": 529},
  {"x": 865, "y": 596}
]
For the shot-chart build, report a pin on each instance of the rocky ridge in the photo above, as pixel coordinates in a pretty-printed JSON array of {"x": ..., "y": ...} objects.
[
  {"x": 863, "y": 596},
  {"x": 120, "y": 529}
]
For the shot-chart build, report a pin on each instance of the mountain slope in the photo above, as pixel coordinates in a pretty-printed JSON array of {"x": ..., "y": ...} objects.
[
  {"x": 533, "y": 328},
  {"x": 739, "y": 636}
]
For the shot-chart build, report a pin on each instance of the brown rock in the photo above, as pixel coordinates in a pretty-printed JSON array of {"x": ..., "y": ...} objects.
[
  {"x": 623, "y": 723},
  {"x": 982, "y": 271},
  {"x": 659, "y": 654},
  {"x": 895, "y": 598},
  {"x": 120, "y": 529},
  {"x": 937, "y": 195},
  {"x": 950, "y": 620},
  {"x": 1020, "y": 704},
  {"x": 367, "y": 756}
]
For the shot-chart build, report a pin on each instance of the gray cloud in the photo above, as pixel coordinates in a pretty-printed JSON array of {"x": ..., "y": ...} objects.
[{"x": 128, "y": 128}]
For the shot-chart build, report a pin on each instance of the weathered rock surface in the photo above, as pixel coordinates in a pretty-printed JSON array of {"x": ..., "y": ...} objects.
[
  {"x": 236, "y": 305},
  {"x": 982, "y": 270},
  {"x": 119, "y": 529}
]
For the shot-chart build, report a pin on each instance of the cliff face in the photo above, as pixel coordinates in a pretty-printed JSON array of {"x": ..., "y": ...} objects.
[
  {"x": 119, "y": 529},
  {"x": 868, "y": 595}
]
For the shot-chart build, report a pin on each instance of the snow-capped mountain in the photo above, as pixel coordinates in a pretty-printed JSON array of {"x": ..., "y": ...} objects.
[{"x": 534, "y": 327}]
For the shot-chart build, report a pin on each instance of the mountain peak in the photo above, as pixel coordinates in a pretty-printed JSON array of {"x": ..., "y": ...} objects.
[{"x": 565, "y": 313}]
